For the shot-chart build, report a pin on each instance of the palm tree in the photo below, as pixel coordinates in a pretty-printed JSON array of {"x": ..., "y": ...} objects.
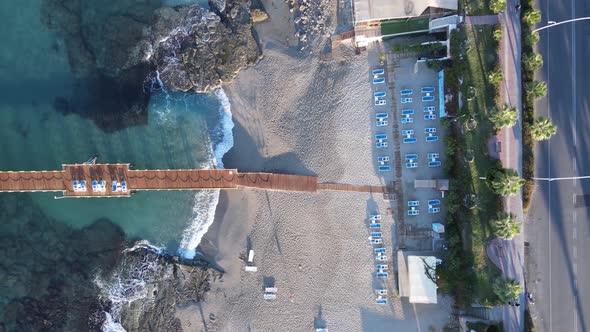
[
  {"x": 497, "y": 6},
  {"x": 506, "y": 289},
  {"x": 543, "y": 129},
  {"x": 506, "y": 226},
  {"x": 506, "y": 117},
  {"x": 536, "y": 89},
  {"x": 532, "y": 17},
  {"x": 531, "y": 38},
  {"x": 504, "y": 181},
  {"x": 497, "y": 34},
  {"x": 532, "y": 61},
  {"x": 495, "y": 76}
]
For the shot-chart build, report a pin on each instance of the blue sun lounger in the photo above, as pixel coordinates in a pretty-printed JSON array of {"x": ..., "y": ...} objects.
[
  {"x": 381, "y": 301},
  {"x": 124, "y": 186},
  {"x": 381, "y": 258},
  {"x": 411, "y": 165},
  {"x": 413, "y": 203},
  {"x": 413, "y": 212},
  {"x": 410, "y": 140},
  {"x": 114, "y": 186},
  {"x": 428, "y": 98},
  {"x": 376, "y": 234},
  {"x": 382, "y": 275},
  {"x": 411, "y": 156},
  {"x": 434, "y": 163},
  {"x": 94, "y": 185},
  {"x": 429, "y": 130},
  {"x": 427, "y": 89},
  {"x": 406, "y": 92},
  {"x": 379, "y": 250},
  {"x": 103, "y": 185},
  {"x": 429, "y": 109},
  {"x": 383, "y": 159},
  {"x": 376, "y": 241},
  {"x": 384, "y": 168},
  {"x": 378, "y": 80},
  {"x": 407, "y": 120},
  {"x": 434, "y": 202},
  {"x": 380, "y": 102},
  {"x": 379, "y": 71},
  {"x": 406, "y": 100},
  {"x": 429, "y": 117},
  {"x": 432, "y": 155},
  {"x": 381, "y": 267},
  {"x": 381, "y": 136},
  {"x": 381, "y": 123},
  {"x": 408, "y": 132},
  {"x": 375, "y": 226},
  {"x": 408, "y": 112},
  {"x": 375, "y": 217},
  {"x": 433, "y": 210},
  {"x": 75, "y": 185},
  {"x": 381, "y": 115},
  {"x": 82, "y": 185},
  {"x": 431, "y": 138},
  {"x": 380, "y": 145},
  {"x": 381, "y": 291},
  {"x": 379, "y": 94}
]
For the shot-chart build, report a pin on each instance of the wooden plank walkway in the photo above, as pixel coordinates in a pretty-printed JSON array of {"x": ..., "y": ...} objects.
[{"x": 168, "y": 179}]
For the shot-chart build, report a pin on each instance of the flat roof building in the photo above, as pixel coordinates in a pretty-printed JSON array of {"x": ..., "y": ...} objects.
[
  {"x": 417, "y": 275},
  {"x": 380, "y": 10}
]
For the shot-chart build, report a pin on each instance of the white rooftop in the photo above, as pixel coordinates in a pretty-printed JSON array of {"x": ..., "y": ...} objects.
[
  {"x": 422, "y": 289},
  {"x": 369, "y": 10}
]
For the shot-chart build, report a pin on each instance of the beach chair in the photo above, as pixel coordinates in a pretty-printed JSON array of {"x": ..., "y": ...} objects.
[
  {"x": 94, "y": 185},
  {"x": 406, "y": 92},
  {"x": 381, "y": 115},
  {"x": 408, "y": 132},
  {"x": 382, "y": 292},
  {"x": 75, "y": 185},
  {"x": 432, "y": 155},
  {"x": 431, "y": 138},
  {"x": 376, "y": 241},
  {"x": 379, "y": 250},
  {"x": 429, "y": 109},
  {"x": 434, "y": 202},
  {"x": 82, "y": 185},
  {"x": 103, "y": 185},
  {"x": 249, "y": 268},
  {"x": 382, "y": 275},
  {"x": 381, "y": 267},
  {"x": 433, "y": 210},
  {"x": 406, "y": 100},
  {"x": 379, "y": 71},
  {"x": 429, "y": 130},
  {"x": 381, "y": 136},
  {"x": 429, "y": 117},
  {"x": 412, "y": 165},
  {"x": 411, "y": 156},
  {"x": 270, "y": 289},
  {"x": 270, "y": 296},
  {"x": 434, "y": 163},
  {"x": 375, "y": 225},
  {"x": 380, "y": 145},
  {"x": 407, "y": 120},
  {"x": 413, "y": 203},
  {"x": 408, "y": 111},
  {"x": 410, "y": 140},
  {"x": 381, "y": 301},
  {"x": 379, "y": 94},
  {"x": 380, "y": 102},
  {"x": 381, "y": 258},
  {"x": 376, "y": 234},
  {"x": 413, "y": 212},
  {"x": 428, "y": 98},
  {"x": 427, "y": 89},
  {"x": 381, "y": 123},
  {"x": 114, "y": 186},
  {"x": 383, "y": 159},
  {"x": 124, "y": 186},
  {"x": 378, "y": 80},
  {"x": 375, "y": 217},
  {"x": 384, "y": 168}
]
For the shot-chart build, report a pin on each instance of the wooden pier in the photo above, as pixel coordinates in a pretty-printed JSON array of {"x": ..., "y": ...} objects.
[{"x": 121, "y": 181}]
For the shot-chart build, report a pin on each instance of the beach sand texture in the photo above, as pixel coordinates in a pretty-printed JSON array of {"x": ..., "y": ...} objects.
[{"x": 303, "y": 116}]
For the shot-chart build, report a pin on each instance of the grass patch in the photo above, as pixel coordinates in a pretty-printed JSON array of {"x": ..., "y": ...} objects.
[
  {"x": 475, "y": 7},
  {"x": 474, "y": 53},
  {"x": 401, "y": 26}
]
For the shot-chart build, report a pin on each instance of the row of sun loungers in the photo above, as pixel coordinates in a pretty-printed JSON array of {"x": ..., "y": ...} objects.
[
  {"x": 99, "y": 186},
  {"x": 433, "y": 207},
  {"x": 376, "y": 76}
]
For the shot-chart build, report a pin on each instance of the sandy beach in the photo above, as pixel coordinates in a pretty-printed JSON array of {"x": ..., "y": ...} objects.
[{"x": 301, "y": 115}]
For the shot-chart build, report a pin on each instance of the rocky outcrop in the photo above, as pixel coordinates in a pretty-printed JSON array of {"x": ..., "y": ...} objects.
[
  {"x": 259, "y": 16},
  {"x": 311, "y": 19}
]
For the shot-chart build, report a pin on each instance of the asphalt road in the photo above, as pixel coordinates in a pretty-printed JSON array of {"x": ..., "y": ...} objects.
[{"x": 558, "y": 223}]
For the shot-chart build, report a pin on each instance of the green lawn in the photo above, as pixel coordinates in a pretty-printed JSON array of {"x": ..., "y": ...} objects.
[
  {"x": 475, "y": 7},
  {"x": 391, "y": 27}
]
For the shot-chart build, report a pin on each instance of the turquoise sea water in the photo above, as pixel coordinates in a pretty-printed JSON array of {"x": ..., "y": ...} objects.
[{"x": 181, "y": 130}]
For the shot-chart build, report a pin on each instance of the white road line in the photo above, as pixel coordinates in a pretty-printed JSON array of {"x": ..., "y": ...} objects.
[
  {"x": 575, "y": 134},
  {"x": 549, "y": 174}
]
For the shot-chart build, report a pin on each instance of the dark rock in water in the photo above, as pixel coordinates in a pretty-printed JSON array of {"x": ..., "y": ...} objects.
[{"x": 113, "y": 51}]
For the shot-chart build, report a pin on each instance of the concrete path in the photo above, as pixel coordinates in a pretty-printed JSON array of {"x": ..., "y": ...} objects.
[
  {"x": 509, "y": 255},
  {"x": 482, "y": 20}
]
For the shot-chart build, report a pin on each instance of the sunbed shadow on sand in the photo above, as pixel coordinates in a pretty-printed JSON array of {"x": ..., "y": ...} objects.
[
  {"x": 318, "y": 321},
  {"x": 268, "y": 281},
  {"x": 286, "y": 163}
]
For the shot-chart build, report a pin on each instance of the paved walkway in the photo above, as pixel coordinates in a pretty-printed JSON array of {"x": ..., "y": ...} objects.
[
  {"x": 481, "y": 20},
  {"x": 509, "y": 255}
]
